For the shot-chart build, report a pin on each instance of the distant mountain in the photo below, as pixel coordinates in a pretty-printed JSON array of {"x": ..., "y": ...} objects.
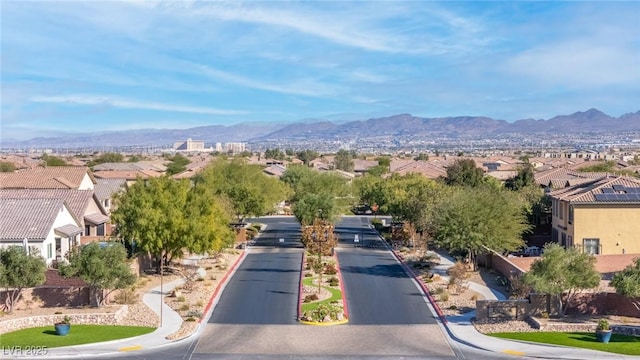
[{"x": 402, "y": 125}]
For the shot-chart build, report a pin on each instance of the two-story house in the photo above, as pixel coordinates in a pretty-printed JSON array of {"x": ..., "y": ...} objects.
[{"x": 601, "y": 216}]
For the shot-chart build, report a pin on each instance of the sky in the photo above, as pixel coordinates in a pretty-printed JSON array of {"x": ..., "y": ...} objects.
[{"x": 117, "y": 65}]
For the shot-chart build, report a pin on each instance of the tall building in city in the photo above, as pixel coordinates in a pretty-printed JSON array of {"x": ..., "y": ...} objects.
[{"x": 189, "y": 145}]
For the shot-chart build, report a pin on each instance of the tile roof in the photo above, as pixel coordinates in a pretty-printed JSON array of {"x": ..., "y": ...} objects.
[
  {"x": 428, "y": 169},
  {"x": 68, "y": 230},
  {"x": 51, "y": 177},
  {"x": 127, "y": 175},
  {"x": 562, "y": 177},
  {"x": 135, "y": 166},
  {"x": 104, "y": 188},
  {"x": 96, "y": 218},
  {"x": 28, "y": 218},
  {"x": 585, "y": 192},
  {"x": 77, "y": 200}
]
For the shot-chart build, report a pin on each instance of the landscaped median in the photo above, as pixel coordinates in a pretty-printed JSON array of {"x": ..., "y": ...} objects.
[
  {"x": 45, "y": 336},
  {"x": 321, "y": 295}
]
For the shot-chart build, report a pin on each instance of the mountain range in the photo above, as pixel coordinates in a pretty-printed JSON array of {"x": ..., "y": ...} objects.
[{"x": 402, "y": 125}]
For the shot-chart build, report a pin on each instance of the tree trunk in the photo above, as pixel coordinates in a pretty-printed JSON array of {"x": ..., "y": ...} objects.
[{"x": 561, "y": 309}]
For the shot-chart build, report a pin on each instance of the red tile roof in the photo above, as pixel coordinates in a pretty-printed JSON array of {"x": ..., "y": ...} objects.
[{"x": 52, "y": 177}]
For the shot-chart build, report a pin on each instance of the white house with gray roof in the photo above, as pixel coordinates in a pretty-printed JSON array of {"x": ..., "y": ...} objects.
[{"x": 44, "y": 225}]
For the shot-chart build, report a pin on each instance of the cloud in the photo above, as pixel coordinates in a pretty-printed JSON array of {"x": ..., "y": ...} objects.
[{"x": 132, "y": 104}]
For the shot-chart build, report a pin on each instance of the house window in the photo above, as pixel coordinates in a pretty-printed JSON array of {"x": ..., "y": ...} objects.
[
  {"x": 58, "y": 246},
  {"x": 106, "y": 203},
  {"x": 560, "y": 210},
  {"x": 100, "y": 230},
  {"x": 554, "y": 235},
  {"x": 564, "y": 240},
  {"x": 570, "y": 214},
  {"x": 591, "y": 246},
  {"x": 87, "y": 230},
  {"x": 49, "y": 250},
  {"x": 569, "y": 241}
]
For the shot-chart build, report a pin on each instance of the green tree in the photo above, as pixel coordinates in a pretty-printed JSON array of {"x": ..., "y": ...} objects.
[
  {"x": 6, "y": 166},
  {"x": 562, "y": 271},
  {"x": 18, "y": 270},
  {"x": 104, "y": 268},
  {"x": 463, "y": 172},
  {"x": 344, "y": 160},
  {"x": 51, "y": 160},
  {"x": 523, "y": 178},
  {"x": 275, "y": 154},
  {"x": 627, "y": 282},
  {"x": 421, "y": 157},
  {"x": 165, "y": 217},
  {"x": 473, "y": 219},
  {"x": 248, "y": 189},
  {"x": 178, "y": 164},
  {"x": 107, "y": 157},
  {"x": 306, "y": 156}
]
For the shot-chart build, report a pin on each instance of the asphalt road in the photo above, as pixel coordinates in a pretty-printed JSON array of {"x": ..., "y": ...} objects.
[
  {"x": 255, "y": 318},
  {"x": 378, "y": 290},
  {"x": 264, "y": 289}
]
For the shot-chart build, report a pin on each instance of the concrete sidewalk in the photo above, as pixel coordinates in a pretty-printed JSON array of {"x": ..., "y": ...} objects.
[
  {"x": 461, "y": 330},
  {"x": 154, "y": 299}
]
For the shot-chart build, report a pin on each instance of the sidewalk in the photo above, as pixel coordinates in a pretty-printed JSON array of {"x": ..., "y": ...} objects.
[
  {"x": 461, "y": 330},
  {"x": 171, "y": 322}
]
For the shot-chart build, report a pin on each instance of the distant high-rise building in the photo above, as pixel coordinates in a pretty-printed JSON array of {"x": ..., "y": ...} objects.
[
  {"x": 235, "y": 147},
  {"x": 189, "y": 145}
]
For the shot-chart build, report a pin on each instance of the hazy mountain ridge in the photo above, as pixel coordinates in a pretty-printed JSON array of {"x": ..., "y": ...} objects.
[{"x": 400, "y": 125}]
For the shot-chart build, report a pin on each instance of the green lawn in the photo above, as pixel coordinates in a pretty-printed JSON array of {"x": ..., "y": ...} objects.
[
  {"x": 335, "y": 295},
  {"x": 79, "y": 334},
  {"x": 619, "y": 344}
]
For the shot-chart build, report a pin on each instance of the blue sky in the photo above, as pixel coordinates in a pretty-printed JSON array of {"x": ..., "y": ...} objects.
[{"x": 113, "y": 65}]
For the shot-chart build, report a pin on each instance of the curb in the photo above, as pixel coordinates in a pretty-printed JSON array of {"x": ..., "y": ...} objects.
[
  {"x": 408, "y": 270},
  {"x": 221, "y": 284},
  {"x": 342, "y": 293}
]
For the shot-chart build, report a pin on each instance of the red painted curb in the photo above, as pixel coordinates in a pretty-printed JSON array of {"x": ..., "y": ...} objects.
[
  {"x": 423, "y": 287},
  {"x": 222, "y": 282},
  {"x": 345, "y": 310}
]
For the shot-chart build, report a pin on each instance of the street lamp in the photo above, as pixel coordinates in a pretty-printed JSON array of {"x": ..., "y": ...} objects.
[{"x": 320, "y": 239}]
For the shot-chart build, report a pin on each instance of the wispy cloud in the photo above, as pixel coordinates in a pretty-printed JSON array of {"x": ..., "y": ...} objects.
[{"x": 132, "y": 104}]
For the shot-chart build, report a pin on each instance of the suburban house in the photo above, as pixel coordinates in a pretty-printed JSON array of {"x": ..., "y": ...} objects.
[
  {"x": 105, "y": 189},
  {"x": 601, "y": 216},
  {"x": 85, "y": 206},
  {"x": 45, "y": 225}
]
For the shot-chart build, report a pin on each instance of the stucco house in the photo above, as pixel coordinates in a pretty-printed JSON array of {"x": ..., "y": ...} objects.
[
  {"x": 44, "y": 225},
  {"x": 598, "y": 217},
  {"x": 85, "y": 206},
  {"x": 52, "y": 177}
]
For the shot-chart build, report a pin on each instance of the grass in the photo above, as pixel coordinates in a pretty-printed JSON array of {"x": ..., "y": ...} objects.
[
  {"x": 335, "y": 295},
  {"x": 79, "y": 334},
  {"x": 619, "y": 344}
]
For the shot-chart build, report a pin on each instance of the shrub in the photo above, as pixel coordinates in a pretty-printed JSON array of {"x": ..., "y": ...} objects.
[
  {"x": 439, "y": 291},
  {"x": 208, "y": 268},
  {"x": 334, "y": 281},
  {"x": 308, "y": 275},
  {"x": 330, "y": 269},
  {"x": 199, "y": 303},
  {"x": 190, "y": 319},
  {"x": 453, "y": 307},
  {"x": 194, "y": 313},
  {"x": 180, "y": 299},
  {"x": 184, "y": 307},
  {"x": 126, "y": 296},
  {"x": 311, "y": 297},
  {"x": 58, "y": 312},
  {"x": 444, "y": 296},
  {"x": 603, "y": 324}
]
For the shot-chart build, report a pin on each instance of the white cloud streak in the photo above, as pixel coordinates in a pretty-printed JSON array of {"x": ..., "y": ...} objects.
[{"x": 132, "y": 104}]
